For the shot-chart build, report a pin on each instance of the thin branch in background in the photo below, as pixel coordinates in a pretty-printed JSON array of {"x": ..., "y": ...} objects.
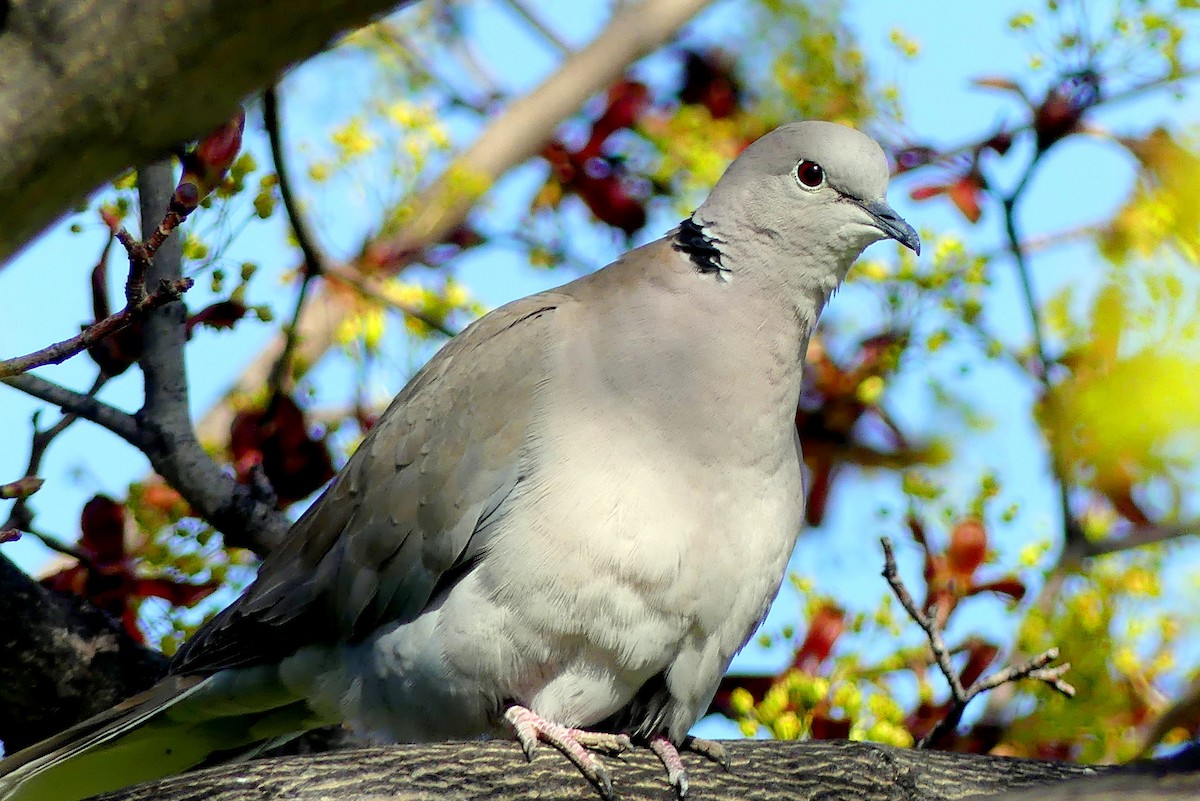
[
  {"x": 1138, "y": 536},
  {"x": 933, "y": 625},
  {"x": 531, "y": 19},
  {"x": 950, "y": 154},
  {"x": 20, "y": 517},
  {"x": 119, "y": 422},
  {"x": 370, "y": 289},
  {"x": 167, "y": 292},
  {"x": 316, "y": 263}
]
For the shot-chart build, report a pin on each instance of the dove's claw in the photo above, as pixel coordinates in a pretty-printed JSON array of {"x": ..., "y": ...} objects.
[
  {"x": 669, "y": 755},
  {"x": 573, "y": 743},
  {"x": 710, "y": 749}
]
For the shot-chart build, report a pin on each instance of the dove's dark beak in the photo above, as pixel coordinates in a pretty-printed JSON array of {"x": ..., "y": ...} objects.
[{"x": 892, "y": 224}]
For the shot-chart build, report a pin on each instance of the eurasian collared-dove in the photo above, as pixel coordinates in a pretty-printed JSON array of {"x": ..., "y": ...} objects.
[{"x": 571, "y": 518}]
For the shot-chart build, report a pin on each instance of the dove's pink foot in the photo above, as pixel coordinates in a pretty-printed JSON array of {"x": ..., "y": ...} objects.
[
  {"x": 574, "y": 743},
  {"x": 668, "y": 754}
]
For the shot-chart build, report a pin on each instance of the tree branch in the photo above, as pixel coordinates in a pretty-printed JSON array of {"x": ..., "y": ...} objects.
[
  {"x": 87, "y": 407},
  {"x": 59, "y": 352},
  {"x": 64, "y": 660},
  {"x": 496, "y": 769},
  {"x": 169, "y": 440},
  {"x": 316, "y": 263},
  {"x": 93, "y": 86},
  {"x": 1138, "y": 536},
  {"x": 1036, "y": 668}
]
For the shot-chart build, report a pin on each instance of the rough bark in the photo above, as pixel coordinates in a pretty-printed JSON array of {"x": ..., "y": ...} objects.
[
  {"x": 90, "y": 87},
  {"x": 64, "y": 660},
  {"x": 490, "y": 770}
]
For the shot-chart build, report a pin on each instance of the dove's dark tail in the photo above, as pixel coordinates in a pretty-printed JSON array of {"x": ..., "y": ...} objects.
[{"x": 169, "y": 728}]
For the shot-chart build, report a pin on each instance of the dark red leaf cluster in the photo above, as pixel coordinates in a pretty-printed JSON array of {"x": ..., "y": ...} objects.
[
  {"x": 1061, "y": 111},
  {"x": 113, "y": 354},
  {"x": 709, "y": 81},
  {"x": 1059, "y": 114},
  {"x": 219, "y": 316},
  {"x": 831, "y": 411},
  {"x": 952, "y": 575},
  {"x": 108, "y": 578},
  {"x": 824, "y": 629},
  {"x": 599, "y": 176},
  {"x": 599, "y": 180},
  {"x": 277, "y": 439}
]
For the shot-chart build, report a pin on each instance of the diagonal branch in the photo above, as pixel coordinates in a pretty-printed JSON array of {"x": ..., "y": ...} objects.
[
  {"x": 86, "y": 407},
  {"x": 59, "y": 352}
]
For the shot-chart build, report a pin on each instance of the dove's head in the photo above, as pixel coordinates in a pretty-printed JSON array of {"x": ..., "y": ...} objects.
[{"x": 801, "y": 204}]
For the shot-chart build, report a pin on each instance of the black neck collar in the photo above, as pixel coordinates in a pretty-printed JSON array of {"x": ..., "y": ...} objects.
[{"x": 699, "y": 247}]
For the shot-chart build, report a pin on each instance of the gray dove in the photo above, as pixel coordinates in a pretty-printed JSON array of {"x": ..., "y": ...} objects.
[{"x": 563, "y": 528}]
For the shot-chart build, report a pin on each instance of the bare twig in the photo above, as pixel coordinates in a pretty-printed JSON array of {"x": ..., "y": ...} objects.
[
  {"x": 87, "y": 407},
  {"x": 933, "y": 625},
  {"x": 315, "y": 261},
  {"x": 531, "y": 19},
  {"x": 951, "y": 153},
  {"x": 164, "y": 423},
  {"x": 59, "y": 352},
  {"x": 21, "y": 488},
  {"x": 58, "y": 546},
  {"x": 20, "y": 516}
]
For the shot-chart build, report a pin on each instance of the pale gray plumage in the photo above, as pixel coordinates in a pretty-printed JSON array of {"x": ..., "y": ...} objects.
[{"x": 582, "y": 505}]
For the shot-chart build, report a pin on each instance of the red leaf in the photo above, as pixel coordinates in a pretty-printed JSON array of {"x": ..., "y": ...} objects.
[
  {"x": 824, "y": 630},
  {"x": 177, "y": 593},
  {"x": 927, "y": 192},
  {"x": 627, "y": 101},
  {"x": 965, "y": 194},
  {"x": 1000, "y": 142},
  {"x": 980, "y": 655},
  {"x": 102, "y": 524},
  {"x": 204, "y": 167},
  {"x": 1064, "y": 106},
  {"x": 708, "y": 81},
  {"x": 1011, "y": 586},
  {"x": 219, "y": 316},
  {"x": 968, "y": 548},
  {"x": 277, "y": 438},
  {"x": 827, "y": 728}
]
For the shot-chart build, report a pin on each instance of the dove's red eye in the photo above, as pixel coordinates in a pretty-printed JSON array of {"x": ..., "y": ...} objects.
[{"x": 810, "y": 175}]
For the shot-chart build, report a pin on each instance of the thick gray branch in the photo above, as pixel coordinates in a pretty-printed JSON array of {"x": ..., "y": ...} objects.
[
  {"x": 762, "y": 770},
  {"x": 168, "y": 438},
  {"x": 90, "y": 87}
]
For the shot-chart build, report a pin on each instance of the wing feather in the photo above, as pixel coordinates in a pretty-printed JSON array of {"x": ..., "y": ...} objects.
[{"x": 407, "y": 508}]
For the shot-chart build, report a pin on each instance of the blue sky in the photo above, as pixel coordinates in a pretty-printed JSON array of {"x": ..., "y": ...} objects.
[{"x": 43, "y": 293}]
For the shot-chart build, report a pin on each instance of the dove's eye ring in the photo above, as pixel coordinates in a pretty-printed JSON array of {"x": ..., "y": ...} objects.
[{"x": 810, "y": 175}]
